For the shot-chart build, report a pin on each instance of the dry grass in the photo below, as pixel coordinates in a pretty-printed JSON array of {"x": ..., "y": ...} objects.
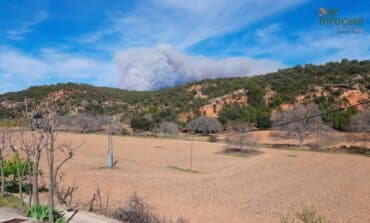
[{"x": 229, "y": 189}]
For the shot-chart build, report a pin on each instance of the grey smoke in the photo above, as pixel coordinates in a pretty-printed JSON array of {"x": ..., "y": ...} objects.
[{"x": 165, "y": 66}]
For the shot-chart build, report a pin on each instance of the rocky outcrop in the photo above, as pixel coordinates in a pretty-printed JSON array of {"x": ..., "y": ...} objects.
[
  {"x": 197, "y": 89},
  {"x": 215, "y": 105}
]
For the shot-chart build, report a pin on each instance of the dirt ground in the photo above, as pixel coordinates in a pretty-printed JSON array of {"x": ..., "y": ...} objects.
[{"x": 261, "y": 188}]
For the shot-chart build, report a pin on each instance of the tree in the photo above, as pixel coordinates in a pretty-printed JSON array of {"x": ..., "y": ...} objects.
[
  {"x": 3, "y": 148},
  {"x": 360, "y": 122},
  {"x": 263, "y": 122},
  {"x": 87, "y": 122},
  {"x": 237, "y": 137},
  {"x": 249, "y": 114},
  {"x": 255, "y": 94},
  {"x": 169, "y": 128},
  {"x": 340, "y": 119},
  {"x": 301, "y": 122},
  {"x": 204, "y": 125},
  {"x": 21, "y": 166},
  {"x": 34, "y": 143},
  {"x": 140, "y": 123},
  {"x": 65, "y": 147}
]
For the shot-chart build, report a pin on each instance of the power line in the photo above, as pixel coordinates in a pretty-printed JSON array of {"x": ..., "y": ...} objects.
[
  {"x": 319, "y": 114},
  {"x": 309, "y": 117}
]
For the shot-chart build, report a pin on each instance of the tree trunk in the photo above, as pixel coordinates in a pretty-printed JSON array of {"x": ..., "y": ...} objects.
[
  {"x": 301, "y": 141},
  {"x": 19, "y": 181},
  {"x": 2, "y": 178},
  {"x": 35, "y": 179},
  {"x": 51, "y": 175},
  {"x": 51, "y": 201},
  {"x": 29, "y": 184},
  {"x": 241, "y": 141}
]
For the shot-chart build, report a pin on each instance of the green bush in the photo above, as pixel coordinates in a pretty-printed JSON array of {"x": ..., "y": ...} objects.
[
  {"x": 263, "y": 122},
  {"x": 11, "y": 173},
  {"x": 41, "y": 212},
  {"x": 141, "y": 123},
  {"x": 10, "y": 166},
  {"x": 248, "y": 114},
  {"x": 307, "y": 215}
]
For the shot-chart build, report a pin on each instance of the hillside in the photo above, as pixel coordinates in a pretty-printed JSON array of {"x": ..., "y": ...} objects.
[{"x": 333, "y": 85}]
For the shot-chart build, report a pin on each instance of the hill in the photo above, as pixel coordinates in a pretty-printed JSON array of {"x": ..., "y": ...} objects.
[{"x": 252, "y": 99}]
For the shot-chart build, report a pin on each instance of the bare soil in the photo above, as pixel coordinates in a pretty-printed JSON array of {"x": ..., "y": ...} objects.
[{"x": 222, "y": 188}]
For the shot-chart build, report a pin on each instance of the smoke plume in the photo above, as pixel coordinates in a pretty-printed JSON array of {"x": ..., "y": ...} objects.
[{"x": 165, "y": 66}]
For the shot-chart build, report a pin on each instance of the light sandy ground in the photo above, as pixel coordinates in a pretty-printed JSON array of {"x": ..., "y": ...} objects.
[
  {"x": 226, "y": 189},
  {"x": 7, "y": 214}
]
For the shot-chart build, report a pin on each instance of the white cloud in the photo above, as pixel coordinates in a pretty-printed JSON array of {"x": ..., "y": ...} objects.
[
  {"x": 311, "y": 46},
  {"x": 51, "y": 65},
  {"x": 163, "y": 66},
  {"x": 265, "y": 33},
  {"x": 182, "y": 23},
  {"x": 26, "y": 26}
]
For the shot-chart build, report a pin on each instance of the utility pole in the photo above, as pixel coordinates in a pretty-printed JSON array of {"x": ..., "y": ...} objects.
[
  {"x": 110, "y": 143},
  {"x": 191, "y": 154}
]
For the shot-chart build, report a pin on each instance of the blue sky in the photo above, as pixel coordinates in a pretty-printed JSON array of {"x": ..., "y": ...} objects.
[{"x": 150, "y": 44}]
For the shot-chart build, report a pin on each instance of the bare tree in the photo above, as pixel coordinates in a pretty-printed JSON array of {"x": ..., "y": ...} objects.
[
  {"x": 96, "y": 202},
  {"x": 360, "y": 122},
  {"x": 65, "y": 194},
  {"x": 169, "y": 128},
  {"x": 3, "y": 148},
  {"x": 237, "y": 137},
  {"x": 204, "y": 125},
  {"x": 88, "y": 123},
  {"x": 67, "y": 151},
  {"x": 19, "y": 168},
  {"x": 34, "y": 143},
  {"x": 301, "y": 122}
]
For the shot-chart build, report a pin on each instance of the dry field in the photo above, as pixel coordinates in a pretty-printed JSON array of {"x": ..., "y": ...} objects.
[{"x": 261, "y": 188}]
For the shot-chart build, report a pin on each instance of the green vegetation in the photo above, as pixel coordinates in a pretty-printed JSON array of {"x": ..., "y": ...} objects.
[
  {"x": 239, "y": 152},
  {"x": 41, "y": 212},
  {"x": 167, "y": 104},
  {"x": 10, "y": 201},
  {"x": 11, "y": 173},
  {"x": 141, "y": 123},
  {"x": 250, "y": 114},
  {"x": 183, "y": 169},
  {"x": 7, "y": 123},
  {"x": 306, "y": 215}
]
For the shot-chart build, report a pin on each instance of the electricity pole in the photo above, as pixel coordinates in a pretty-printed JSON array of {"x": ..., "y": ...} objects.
[{"x": 110, "y": 144}]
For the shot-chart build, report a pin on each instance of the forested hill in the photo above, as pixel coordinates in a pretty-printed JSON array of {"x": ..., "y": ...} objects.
[{"x": 335, "y": 84}]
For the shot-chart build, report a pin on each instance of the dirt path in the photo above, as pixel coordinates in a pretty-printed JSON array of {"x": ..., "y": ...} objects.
[{"x": 226, "y": 189}]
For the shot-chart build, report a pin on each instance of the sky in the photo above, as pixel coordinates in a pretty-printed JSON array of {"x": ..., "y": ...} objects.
[{"x": 150, "y": 44}]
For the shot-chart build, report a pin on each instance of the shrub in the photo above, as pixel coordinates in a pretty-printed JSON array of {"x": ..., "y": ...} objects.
[
  {"x": 136, "y": 211},
  {"x": 307, "y": 215},
  {"x": 263, "y": 122},
  {"x": 169, "y": 128},
  {"x": 140, "y": 123},
  {"x": 247, "y": 114},
  {"x": 41, "y": 212},
  {"x": 213, "y": 138},
  {"x": 11, "y": 173},
  {"x": 204, "y": 125},
  {"x": 360, "y": 122}
]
